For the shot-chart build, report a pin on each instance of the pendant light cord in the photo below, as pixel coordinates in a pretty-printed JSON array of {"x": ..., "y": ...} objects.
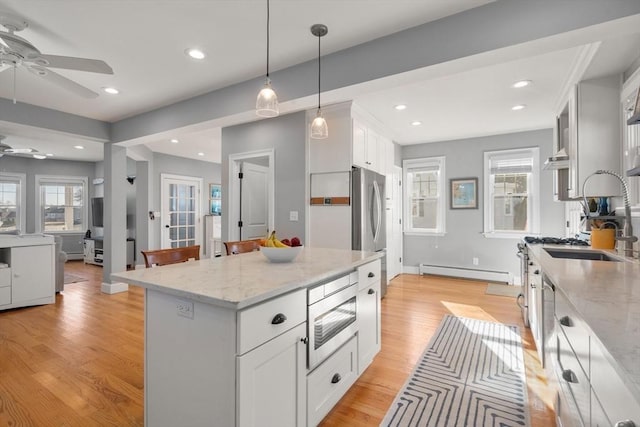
[
  {"x": 268, "y": 17},
  {"x": 319, "y": 72}
]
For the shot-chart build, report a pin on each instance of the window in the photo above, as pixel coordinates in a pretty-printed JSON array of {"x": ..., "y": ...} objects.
[
  {"x": 425, "y": 196},
  {"x": 511, "y": 201},
  {"x": 12, "y": 202},
  {"x": 62, "y": 204}
]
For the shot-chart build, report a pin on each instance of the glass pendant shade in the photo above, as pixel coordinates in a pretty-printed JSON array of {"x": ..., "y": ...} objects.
[
  {"x": 319, "y": 128},
  {"x": 267, "y": 101}
]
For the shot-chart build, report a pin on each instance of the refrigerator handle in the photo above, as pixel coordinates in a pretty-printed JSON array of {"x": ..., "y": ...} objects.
[{"x": 376, "y": 190}]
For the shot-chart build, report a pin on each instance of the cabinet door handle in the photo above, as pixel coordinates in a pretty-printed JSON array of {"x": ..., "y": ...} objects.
[
  {"x": 371, "y": 274},
  {"x": 625, "y": 423},
  {"x": 536, "y": 272},
  {"x": 566, "y": 321},
  {"x": 569, "y": 376},
  {"x": 278, "y": 319},
  {"x": 304, "y": 340},
  {"x": 530, "y": 262},
  {"x": 371, "y": 292},
  {"x": 336, "y": 379}
]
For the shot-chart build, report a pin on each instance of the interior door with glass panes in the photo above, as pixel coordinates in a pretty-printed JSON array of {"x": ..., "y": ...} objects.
[{"x": 180, "y": 214}]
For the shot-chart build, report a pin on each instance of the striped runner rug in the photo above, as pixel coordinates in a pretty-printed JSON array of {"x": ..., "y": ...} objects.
[{"x": 471, "y": 374}]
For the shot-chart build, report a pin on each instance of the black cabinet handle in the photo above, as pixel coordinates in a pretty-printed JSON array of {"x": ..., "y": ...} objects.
[
  {"x": 569, "y": 376},
  {"x": 371, "y": 291},
  {"x": 371, "y": 274},
  {"x": 336, "y": 379},
  {"x": 530, "y": 262},
  {"x": 278, "y": 319},
  {"x": 304, "y": 340},
  {"x": 566, "y": 321},
  {"x": 166, "y": 226},
  {"x": 536, "y": 272}
]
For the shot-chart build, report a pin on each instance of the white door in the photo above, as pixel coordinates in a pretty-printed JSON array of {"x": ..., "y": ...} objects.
[
  {"x": 394, "y": 223},
  {"x": 254, "y": 201},
  {"x": 180, "y": 214}
]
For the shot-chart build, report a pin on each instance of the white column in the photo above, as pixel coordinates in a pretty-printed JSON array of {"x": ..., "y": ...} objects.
[{"x": 115, "y": 216}]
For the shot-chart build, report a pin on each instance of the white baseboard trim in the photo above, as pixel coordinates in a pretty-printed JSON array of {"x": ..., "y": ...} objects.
[
  {"x": 114, "y": 288},
  {"x": 466, "y": 273},
  {"x": 410, "y": 269}
]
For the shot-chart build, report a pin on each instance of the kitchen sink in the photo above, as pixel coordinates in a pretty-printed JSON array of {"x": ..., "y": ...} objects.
[{"x": 581, "y": 254}]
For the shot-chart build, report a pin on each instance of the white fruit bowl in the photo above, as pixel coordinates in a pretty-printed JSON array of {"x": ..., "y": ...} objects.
[{"x": 281, "y": 254}]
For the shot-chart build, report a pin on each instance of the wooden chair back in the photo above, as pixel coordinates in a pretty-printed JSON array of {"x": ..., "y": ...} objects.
[
  {"x": 170, "y": 256},
  {"x": 242, "y": 246}
]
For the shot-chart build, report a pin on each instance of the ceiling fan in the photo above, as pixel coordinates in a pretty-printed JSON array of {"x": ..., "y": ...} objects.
[
  {"x": 17, "y": 52},
  {"x": 19, "y": 152}
]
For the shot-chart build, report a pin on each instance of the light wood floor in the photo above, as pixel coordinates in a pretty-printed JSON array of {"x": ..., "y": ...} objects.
[{"x": 80, "y": 362}]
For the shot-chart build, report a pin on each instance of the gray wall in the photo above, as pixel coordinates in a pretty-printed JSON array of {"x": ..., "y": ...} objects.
[
  {"x": 33, "y": 167},
  {"x": 286, "y": 135},
  {"x": 463, "y": 240},
  {"x": 164, "y": 163}
]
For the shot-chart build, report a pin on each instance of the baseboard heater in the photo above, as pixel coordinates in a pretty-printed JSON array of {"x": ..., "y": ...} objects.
[{"x": 466, "y": 273}]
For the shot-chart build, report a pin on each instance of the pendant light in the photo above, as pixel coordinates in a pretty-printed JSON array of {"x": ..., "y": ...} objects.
[
  {"x": 319, "y": 129},
  {"x": 267, "y": 101}
]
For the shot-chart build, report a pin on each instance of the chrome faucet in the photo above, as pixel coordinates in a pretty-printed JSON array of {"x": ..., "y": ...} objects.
[{"x": 628, "y": 237}]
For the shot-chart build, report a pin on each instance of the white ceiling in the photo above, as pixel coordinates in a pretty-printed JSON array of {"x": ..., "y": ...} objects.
[{"x": 144, "y": 42}]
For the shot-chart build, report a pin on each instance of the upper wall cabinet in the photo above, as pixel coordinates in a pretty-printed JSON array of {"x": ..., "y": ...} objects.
[
  {"x": 352, "y": 141},
  {"x": 594, "y": 136}
]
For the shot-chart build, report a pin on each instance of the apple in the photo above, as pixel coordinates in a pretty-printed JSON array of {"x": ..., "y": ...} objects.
[
  {"x": 295, "y": 241},
  {"x": 286, "y": 242}
]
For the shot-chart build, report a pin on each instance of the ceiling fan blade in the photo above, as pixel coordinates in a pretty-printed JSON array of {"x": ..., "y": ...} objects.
[
  {"x": 62, "y": 82},
  {"x": 71, "y": 63}
]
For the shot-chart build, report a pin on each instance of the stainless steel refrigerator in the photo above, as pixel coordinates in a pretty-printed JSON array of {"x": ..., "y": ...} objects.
[{"x": 368, "y": 216}]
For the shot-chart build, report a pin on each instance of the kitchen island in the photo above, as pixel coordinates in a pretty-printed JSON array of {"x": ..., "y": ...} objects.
[
  {"x": 227, "y": 341},
  {"x": 593, "y": 333}
]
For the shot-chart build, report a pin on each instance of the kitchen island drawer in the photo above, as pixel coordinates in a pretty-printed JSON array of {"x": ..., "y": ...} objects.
[
  {"x": 330, "y": 381},
  {"x": 369, "y": 274},
  {"x": 262, "y": 322},
  {"x": 572, "y": 377},
  {"x": 617, "y": 400},
  {"x": 574, "y": 328}
]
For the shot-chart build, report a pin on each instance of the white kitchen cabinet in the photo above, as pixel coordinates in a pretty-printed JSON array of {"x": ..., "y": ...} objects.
[
  {"x": 535, "y": 305},
  {"x": 594, "y": 136},
  {"x": 330, "y": 381},
  {"x": 368, "y": 314},
  {"x": 365, "y": 146},
  {"x": 30, "y": 276},
  {"x": 272, "y": 382}
]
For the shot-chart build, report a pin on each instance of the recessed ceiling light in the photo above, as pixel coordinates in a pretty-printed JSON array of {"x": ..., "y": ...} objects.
[
  {"x": 174, "y": 141},
  {"x": 521, "y": 83},
  {"x": 39, "y": 156},
  {"x": 195, "y": 53},
  {"x": 416, "y": 123},
  {"x": 111, "y": 90},
  {"x": 78, "y": 147},
  {"x": 518, "y": 107},
  {"x": 19, "y": 150},
  {"x": 400, "y": 107},
  {"x": 49, "y": 155},
  {"x": 201, "y": 154}
]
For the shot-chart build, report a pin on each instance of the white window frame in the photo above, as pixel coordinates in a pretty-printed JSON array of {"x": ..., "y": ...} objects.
[
  {"x": 58, "y": 179},
  {"x": 21, "y": 200},
  {"x": 429, "y": 162},
  {"x": 533, "y": 199}
]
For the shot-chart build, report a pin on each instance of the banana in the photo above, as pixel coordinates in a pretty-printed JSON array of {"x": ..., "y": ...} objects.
[{"x": 279, "y": 244}]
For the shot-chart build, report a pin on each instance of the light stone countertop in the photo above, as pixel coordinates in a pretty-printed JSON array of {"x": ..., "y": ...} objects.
[
  {"x": 243, "y": 280},
  {"x": 16, "y": 240},
  {"x": 607, "y": 296}
]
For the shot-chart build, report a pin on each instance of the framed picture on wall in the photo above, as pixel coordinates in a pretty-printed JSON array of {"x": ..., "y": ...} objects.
[
  {"x": 464, "y": 193},
  {"x": 215, "y": 199}
]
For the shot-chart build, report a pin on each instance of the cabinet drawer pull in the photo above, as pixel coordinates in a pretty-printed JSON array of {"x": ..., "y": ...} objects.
[
  {"x": 569, "y": 376},
  {"x": 625, "y": 423},
  {"x": 336, "y": 379},
  {"x": 371, "y": 274},
  {"x": 371, "y": 292},
  {"x": 566, "y": 321},
  {"x": 278, "y": 319}
]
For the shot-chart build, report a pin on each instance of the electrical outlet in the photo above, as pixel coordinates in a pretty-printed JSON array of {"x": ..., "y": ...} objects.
[
  {"x": 476, "y": 261},
  {"x": 185, "y": 309}
]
